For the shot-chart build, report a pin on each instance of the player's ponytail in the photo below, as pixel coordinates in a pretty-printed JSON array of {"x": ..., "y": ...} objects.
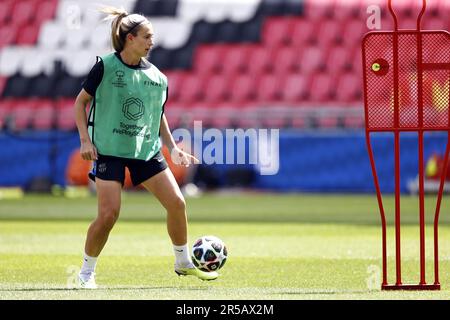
[{"x": 122, "y": 24}]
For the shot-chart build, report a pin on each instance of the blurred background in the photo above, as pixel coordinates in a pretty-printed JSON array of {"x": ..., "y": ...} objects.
[{"x": 293, "y": 65}]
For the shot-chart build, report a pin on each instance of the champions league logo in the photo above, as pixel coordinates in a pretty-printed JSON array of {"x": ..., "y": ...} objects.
[{"x": 119, "y": 83}]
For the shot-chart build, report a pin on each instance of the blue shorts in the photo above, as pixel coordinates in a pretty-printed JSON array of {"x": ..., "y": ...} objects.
[{"x": 113, "y": 168}]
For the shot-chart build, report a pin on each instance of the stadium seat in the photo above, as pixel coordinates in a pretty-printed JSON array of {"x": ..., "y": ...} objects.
[
  {"x": 44, "y": 115},
  {"x": 41, "y": 86},
  {"x": 295, "y": 88},
  {"x": 65, "y": 119},
  {"x": 268, "y": 88},
  {"x": 241, "y": 11},
  {"x": 227, "y": 32},
  {"x": 208, "y": 59},
  {"x": 434, "y": 23},
  {"x": 303, "y": 33},
  {"x": 349, "y": 9},
  {"x": 319, "y": 9},
  {"x": 161, "y": 58},
  {"x": 22, "y": 12},
  {"x": 16, "y": 86},
  {"x": 51, "y": 35},
  {"x": 243, "y": 88},
  {"x": 76, "y": 39},
  {"x": 277, "y": 31},
  {"x": 322, "y": 86},
  {"x": 260, "y": 60},
  {"x": 329, "y": 32},
  {"x": 191, "y": 89},
  {"x": 173, "y": 112},
  {"x": 175, "y": 81},
  {"x": 287, "y": 59},
  {"x": 312, "y": 60},
  {"x": 28, "y": 34},
  {"x": 45, "y": 11},
  {"x": 235, "y": 59},
  {"x": 5, "y": 11},
  {"x": 7, "y": 35},
  {"x": 22, "y": 113},
  {"x": 11, "y": 58},
  {"x": 339, "y": 59},
  {"x": 349, "y": 88},
  {"x": 354, "y": 31},
  {"x": 215, "y": 89}
]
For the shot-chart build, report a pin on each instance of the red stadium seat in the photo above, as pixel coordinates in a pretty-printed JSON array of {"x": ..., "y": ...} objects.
[
  {"x": 339, "y": 59},
  {"x": 350, "y": 9},
  {"x": 28, "y": 34},
  {"x": 191, "y": 89},
  {"x": 65, "y": 119},
  {"x": 215, "y": 89},
  {"x": 260, "y": 60},
  {"x": 175, "y": 81},
  {"x": 235, "y": 58},
  {"x": 434, "y": 23},
  {"x": 7, "y": 35},
  {"x": 243, "y": 88},
  {"x": 174, "y": 114},
  {"x": 354, "y": 31},
  {"x": 312, "y": 60},
  {"x": 303, "y": 33},
  {"x": 329, "y": 31},
  {"x": 295, "y": 88},
  {"x": 208, "y": 59},
  {"x": 349, "y": 88},
  {"x": 46, "y": 10},
  {"x": 268, "y": 88},
  {"x": 319, "y": 8},
  {"x": 22, "y": 112},
  {"x": 22, "y": 12},
  {"x": 277, "y": 31},
  {"x": 287, "y": 59},
  {"x": 44, "y": 116},
  {"x": 321, "y": 87},
  {"x": 5, "y": 11}
]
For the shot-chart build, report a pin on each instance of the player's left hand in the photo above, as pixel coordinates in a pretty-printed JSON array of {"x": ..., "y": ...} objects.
[{"x": 181, "y": 158}]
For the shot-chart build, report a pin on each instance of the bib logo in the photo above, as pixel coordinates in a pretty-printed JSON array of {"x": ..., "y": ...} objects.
[
  {"x": 133, "y": 109},
  {"x": 119, "y": 83}
]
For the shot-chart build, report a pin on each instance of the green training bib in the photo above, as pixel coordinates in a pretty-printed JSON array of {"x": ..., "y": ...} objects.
[{"x": 125, "y": 115}]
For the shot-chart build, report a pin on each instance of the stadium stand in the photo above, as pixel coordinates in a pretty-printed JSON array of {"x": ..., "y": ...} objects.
[{"x": 261, "y": 57}]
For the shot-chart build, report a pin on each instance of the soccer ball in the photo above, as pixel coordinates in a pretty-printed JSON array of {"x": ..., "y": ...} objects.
[{"x": 209, "y": 253}]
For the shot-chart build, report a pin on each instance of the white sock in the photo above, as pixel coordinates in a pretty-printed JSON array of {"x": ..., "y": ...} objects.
[
  {"x": 182, "y": 257},
  {"x": 88, "y": 266}
]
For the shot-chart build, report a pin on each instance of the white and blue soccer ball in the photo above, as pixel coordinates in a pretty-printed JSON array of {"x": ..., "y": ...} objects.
[{"x": 209, "y": 253}]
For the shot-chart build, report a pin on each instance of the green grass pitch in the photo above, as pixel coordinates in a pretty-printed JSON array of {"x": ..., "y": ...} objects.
[{"x": 294, "y": 246}]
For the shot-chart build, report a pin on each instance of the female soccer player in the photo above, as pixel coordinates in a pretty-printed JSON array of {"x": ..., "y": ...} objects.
[{"x": 126, "y": 121}]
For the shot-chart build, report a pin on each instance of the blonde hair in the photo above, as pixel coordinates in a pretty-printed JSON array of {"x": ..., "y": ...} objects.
[{"x": 122, "y": 24}]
